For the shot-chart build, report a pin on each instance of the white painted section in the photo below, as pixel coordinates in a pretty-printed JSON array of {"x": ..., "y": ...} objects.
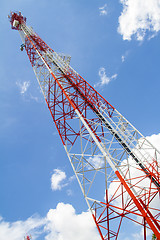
[
  {"x": 15, "y": 23},
  {"x": 101, "y": 148}
]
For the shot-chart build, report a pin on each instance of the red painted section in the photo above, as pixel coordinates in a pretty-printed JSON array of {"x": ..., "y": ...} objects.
[
  {"x": 18, "y": 17},
  {"x": 31, "y": 51},
  {"x": 100, "y": 233},
  {"x": 145, "y": 214}
]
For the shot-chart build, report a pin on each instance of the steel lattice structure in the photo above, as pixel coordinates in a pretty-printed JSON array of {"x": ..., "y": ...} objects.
[{"x": 117, "y": 168}]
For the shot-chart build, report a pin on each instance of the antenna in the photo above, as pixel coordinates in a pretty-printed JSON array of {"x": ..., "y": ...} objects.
[{"x": 107, "y": 153}]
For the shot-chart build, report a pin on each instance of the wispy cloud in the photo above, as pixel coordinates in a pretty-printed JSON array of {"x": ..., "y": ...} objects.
[
  {"x": 69, "y": 192},
  {"x": 138, "y": 17},
  {"x": 125, "y": 55},
  {"x": 23, "y": 89},
  {"x": 104, "y": 79},
  {"x": 95, "y": 162},
  {"x": 36, "y": 99},
  {"x": 103, "y": 10},
  {"x": 23, "y": 86},
  {"x": 123, "y": 58},
  {"x": 57, "y": 179}
]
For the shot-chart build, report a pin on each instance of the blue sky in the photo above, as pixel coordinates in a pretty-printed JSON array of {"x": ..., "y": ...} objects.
[{"x": 114, "y": 45}]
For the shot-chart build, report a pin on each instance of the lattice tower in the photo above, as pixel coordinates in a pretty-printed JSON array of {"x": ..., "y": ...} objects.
[{"x": 117, "y": 168}]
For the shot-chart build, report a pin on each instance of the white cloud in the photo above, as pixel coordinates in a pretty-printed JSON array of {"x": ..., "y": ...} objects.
[
  {"x": 69, "y": 192},
  {"x": 65, "y": 224},
  {"x": 37, "y": 99},
  {"x": 17, "y": 230},
  {"x": 103, "y": 10},
  {"x": 138, "y": 17},
  {"x": 123, "y": 58},
  {"x": 96, "y": 161},
  {"x": 104, "y": 79},
  {"x": 23, "y": 86},
  {"x": 61, "y": 223},
  {"x": 113, "y": 76},
  {"x": 57, "y": 179},
  {"x": 155, "y": 140},
  {"x": 72, "y": 178}
]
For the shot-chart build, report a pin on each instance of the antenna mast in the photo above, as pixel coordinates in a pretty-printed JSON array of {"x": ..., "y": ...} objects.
[{"x": 109, "y": 156}]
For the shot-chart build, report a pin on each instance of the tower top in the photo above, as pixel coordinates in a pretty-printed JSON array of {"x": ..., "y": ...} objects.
[{"x": 16, "y": 19}]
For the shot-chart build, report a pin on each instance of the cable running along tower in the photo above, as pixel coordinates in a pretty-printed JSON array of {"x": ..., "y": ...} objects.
[{"x": 116, "y": 167}]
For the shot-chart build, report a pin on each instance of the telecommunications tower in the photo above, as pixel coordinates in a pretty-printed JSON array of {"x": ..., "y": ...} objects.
[{"x": 117, "y": 168}]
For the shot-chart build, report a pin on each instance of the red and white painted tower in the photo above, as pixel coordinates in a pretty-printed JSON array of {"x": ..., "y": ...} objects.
[{"x": 117, "y": 168}]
